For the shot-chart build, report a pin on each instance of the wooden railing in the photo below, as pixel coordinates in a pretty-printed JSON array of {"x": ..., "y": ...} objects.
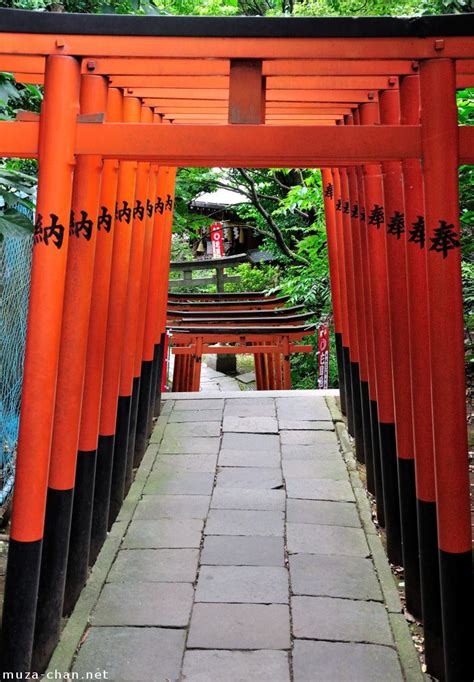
[{"x": 220, "y": 277}]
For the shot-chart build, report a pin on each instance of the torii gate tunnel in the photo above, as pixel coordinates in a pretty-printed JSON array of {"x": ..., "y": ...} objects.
[{"x": 372, "y": 102}]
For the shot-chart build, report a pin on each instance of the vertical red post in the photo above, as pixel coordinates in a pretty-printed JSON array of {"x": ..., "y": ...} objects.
[
  {"x": 439, "y": 135},
  {"x": 56, "y": 162},
  {"x": 369, "y": 389},
  {"x": 344, "y": 304},
  {"x": 143, "y": 368},
  {"x": 353, "y": 369},
  {"x": 329, "y": 208},
  {"x": 114, "y": 337},
  {"x": 78, "y": 560},
  {"x": 398, "y": 305},
  {"x": 163, "y": 281},
  {"x": 69, "y": 386},
  {"x": 361, "y": 369},
  {"x": 128, "y": 388},
  {"x": 386, "y": 487},
  {"x": 418, "y": 333}
]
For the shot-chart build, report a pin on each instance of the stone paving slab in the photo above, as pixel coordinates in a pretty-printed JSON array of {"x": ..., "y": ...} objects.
[
  {"x": 311, "y": 452},
  {"x": 203, "y": 566},
  {"x": 306, "y": 425},
  {"x": 171, "y": 463},
  {"x": 236, "y": 666},
  {"x": 189, "y": 445},
  {"x": 196, "y": 428},
  {"x": 251, "y": 442},
  {"x": 155, "y": 565},
  {"x": 245, "y": 522},
  {"x": 182, "y": 483},
  {"x": 339, "y": 662},
  {"x": 163, "y": 604},
  {"x": 340, "y": 620},
  {"x": 244, "y": 498},
  {"x": 247, "y": 407},
  {"x": 243, "y": 584},
  {"x": 298, "y": 468},
  {"x": 236, "y": 550},
  {"x": 309, "y": 438},
  {"x": 154, "y": 507},
  {"x": 240, "y": 626},
  {"x": 303, "y": 408},
  {"x": 322, "y": 513},
  {"x": 306, "y": 538},
  {"x": 129, "y": 653},
  {"x": 238, "y": 458},
  {"x": 334, "y": 576},
  {"x": 319, "y": 489},
  {"x": 264, "y": 478},
  {"x": 164, "y": 534},
  {"x": 199, "y": 404},
  {"x": 250, "y": 424},
  {"x": 183, "y": 416}
]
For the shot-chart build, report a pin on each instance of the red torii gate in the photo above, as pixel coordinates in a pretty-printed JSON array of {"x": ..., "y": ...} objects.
[{"x": 129, "y": 99}]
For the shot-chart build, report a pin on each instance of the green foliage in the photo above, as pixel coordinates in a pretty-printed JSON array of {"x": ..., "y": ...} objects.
[
  {"x": 14, "y": 224},
  {"x": 262, "y": 277}
]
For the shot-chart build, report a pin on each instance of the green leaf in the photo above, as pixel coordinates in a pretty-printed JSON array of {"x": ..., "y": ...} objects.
[{"x": 14, "y": 224}]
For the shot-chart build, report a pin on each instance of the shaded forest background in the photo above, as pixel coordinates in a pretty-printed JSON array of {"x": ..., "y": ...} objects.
[{"x": 285, "y": 205}]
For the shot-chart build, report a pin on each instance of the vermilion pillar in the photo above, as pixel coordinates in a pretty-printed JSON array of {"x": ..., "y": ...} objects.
[
  {"x": 164, "y": 281},
  {"x": 128, "y": 388},
  {"x": 72, "y": 357},
  {"x": 398, "y": 304},
  {"x": 369, "y": 389},
  {"x": 344, "y": 305},
  {"x": 446, "y": 342},
  {"x": 418, "y": 333},
  {"x": 56, "y": 162},
  {"x": 364, "y": 451},
  {"x": 383, "y": 414},
  {"x": 79, "y": 543},
  {"x": 143, "y": 398},
  {"x": 151, "y": 351},
  {"x": 352, "y": 314},
  {"x": 329, "y": 207},
  {"x": 114, "y": 338}
]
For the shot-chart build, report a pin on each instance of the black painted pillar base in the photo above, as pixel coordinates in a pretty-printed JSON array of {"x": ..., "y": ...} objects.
[
  {"x": 143, "y": 432},
  {"x": 456, "y": 608},
  {"x": 19, "y": 607},
  {"x": 409, "y": 526},
  {"x": 54, "y": 556},
  {"x": 388, "y": 451},
  {"x": 119, "y": 466},
  {"x": 156, "y": 386},
  {"x": 340, "y": 371},
  {"x": 348, "y": 387},
  {"x": 357, "y": 413},
  {"x": 161, "y": 357},
  {"x": 374, "y": 423},
  {"x": 132, "y": 459},
  {"x": 154, "y": 375},
  {"x": 367, "y": 429},
  {"x": 80, "y": 537},
  {"x": 430, "y": 588},
  {"x": 103, "y": 480}
]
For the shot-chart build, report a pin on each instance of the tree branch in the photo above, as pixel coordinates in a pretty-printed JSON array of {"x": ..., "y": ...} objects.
[{"x": 277, "y": 234}]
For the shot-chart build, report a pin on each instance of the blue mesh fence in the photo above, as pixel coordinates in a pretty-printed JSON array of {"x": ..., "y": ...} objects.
[{"x": 15, "y": 264}]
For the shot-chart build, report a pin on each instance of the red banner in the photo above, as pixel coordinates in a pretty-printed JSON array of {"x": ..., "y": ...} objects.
[
  {"x": 323, "y": 356},
  {"x": 216, "y": 240}
]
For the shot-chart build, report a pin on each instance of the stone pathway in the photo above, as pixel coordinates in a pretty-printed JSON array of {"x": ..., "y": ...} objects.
[{"x": 246, "y": 558}]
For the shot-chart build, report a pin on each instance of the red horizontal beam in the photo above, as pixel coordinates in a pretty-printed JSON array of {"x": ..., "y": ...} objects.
[
  {"x": 238, "y": 48},
  {"x": 238, "y": 145}
]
